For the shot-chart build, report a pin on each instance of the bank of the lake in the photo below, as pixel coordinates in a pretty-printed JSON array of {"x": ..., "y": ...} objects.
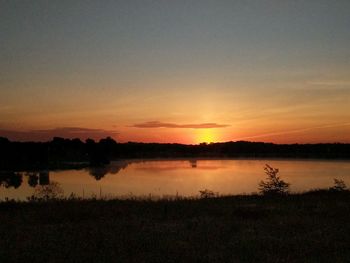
[
  {"x": 311, "y": 227},
  {"x": 171, "y": 177}
]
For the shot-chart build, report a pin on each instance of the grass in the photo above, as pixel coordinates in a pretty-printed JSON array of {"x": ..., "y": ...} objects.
[{"x": 310, "y": 227}]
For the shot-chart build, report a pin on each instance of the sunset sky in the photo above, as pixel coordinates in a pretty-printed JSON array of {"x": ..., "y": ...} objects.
[{"x": 176, "y": 71}]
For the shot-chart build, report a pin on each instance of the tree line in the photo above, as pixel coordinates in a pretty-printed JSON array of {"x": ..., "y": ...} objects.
[{"x": 60, "y": 152}]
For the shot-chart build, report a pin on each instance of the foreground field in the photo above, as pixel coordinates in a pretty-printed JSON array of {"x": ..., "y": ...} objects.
[{"x": 312, "y": 227}]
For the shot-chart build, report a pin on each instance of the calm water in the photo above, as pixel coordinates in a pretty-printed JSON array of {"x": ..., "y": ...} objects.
[{"x": 182, "y": 177}]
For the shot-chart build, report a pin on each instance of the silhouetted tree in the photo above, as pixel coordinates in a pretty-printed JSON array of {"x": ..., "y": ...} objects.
[
  {"x": 339, "y": 186},
  {"x": 61, "y": 152},
  {"x": 207, "y": 193},
  {"x": 97, "y": 157},
  {"x": 273, "y": 185},
  {"x": 48, "y": 192}
]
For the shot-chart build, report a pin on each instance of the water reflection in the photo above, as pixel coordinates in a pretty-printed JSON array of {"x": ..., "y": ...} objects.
[
  {"x": 193, "y": 163},
  {"x": 38, "y": 178},
  {"x": 42, "y": 178},
  {"x": 11, "y": 179},
  {"x": 168, "y": 177},
  {"x": 99, "y": 172},
  {"x": 33, "y": 179},
  {"x": 15, "y": 179}
]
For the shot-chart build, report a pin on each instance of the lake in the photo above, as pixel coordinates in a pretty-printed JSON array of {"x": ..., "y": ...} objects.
[{"x": 177, "y": 177}]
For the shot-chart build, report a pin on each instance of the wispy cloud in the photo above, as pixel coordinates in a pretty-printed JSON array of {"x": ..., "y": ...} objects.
[
  {"x": 329, "y": 83},
  {"x": 158, "y": 124},
  {"x": 292, "y": 131},
  {"x": 65, "y": 132}
]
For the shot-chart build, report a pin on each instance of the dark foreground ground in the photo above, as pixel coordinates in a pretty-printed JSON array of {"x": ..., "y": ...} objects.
[{"x": 313, "y": 227}]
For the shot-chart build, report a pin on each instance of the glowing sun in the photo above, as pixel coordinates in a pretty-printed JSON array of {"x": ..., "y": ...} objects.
[{"x": 207, "y": 136}]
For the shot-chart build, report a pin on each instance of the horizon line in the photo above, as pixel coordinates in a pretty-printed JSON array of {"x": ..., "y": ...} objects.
[{"x": 193, "y": 144}]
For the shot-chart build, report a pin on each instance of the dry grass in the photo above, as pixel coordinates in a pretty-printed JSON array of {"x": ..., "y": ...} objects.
[{"x": 312, "y": 227}]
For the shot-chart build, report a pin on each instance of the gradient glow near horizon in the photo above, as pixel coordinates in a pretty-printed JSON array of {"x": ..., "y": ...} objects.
[{"x": 176, "y": 71}]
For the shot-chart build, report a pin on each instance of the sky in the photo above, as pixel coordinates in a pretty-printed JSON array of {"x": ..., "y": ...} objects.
[{"x": 179, "y": 71}]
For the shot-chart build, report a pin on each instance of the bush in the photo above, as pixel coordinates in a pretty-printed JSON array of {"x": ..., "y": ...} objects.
[
  {"x": 206, "y": 193},
  {"x": 52, "y": 191},
  {"x": 273, "y": 185},
  {"x": 339, "y": 186}
]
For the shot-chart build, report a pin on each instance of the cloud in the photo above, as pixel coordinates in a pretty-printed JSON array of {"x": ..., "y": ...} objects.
[
  {"x": 65, "y": 132},
  {"x": 293, "y": 131},
  {"x": 158, "y": 124},
  {"x": 330, "y": 83}
]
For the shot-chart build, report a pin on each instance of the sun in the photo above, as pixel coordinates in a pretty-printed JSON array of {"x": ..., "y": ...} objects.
[{"x": 206, "y": 136}]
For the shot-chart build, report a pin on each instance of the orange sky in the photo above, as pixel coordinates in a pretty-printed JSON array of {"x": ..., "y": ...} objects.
[{"x": 176, "y": 71}]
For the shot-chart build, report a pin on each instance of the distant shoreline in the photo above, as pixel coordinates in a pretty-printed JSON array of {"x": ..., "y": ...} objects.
[{"x": 62, "y": 152}]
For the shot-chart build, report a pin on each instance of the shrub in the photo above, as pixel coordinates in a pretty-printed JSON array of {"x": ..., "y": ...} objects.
[
  {"x": 51, "y": 191},
  {"x": 206, "y": 193},
  {"x": 273, "y": 185},
  {"x": 339, "y": 186}
]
